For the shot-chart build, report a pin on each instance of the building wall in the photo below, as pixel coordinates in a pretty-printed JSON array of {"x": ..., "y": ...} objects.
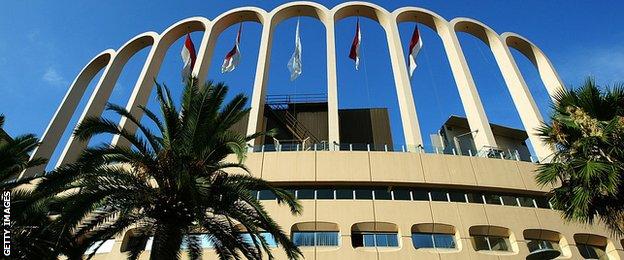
[{"x": 429, "y": 170}]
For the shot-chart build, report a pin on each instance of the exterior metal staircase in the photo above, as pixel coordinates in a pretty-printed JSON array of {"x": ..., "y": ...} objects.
[{"x": 278, "y": 108}]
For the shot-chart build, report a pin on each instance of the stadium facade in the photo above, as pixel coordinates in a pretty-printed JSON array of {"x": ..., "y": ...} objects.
[{"x": 363, "y": 199}]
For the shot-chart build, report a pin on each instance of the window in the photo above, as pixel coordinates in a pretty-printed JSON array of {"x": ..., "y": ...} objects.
[
  {"x": 325, "y": 194},
  {"x": 538, "y": 244},
  {"x": 344, "y": 194},
  {"x": 590, "y": 251},
  {"x": 542, "y": 203},
  {"x": 374, "y": 239},
  {"x": 457, "y": 196},
  {"x": 491, "y": 238},
  {"x": 475, "y": 198},
  {"x": 363, "y": 194},
  {"x": 270, "y": 240},
  {"x": 492, "y": 199},
  {"x": 433, "y": 240},
  {"x": 305, "y": 194},
  {"x": 402, "y": 194},
  {"x": 420, "y": 195},
  {"x": 266, "y": 195},
  {"x": 509, "y": 201},
  {"x": 526, "y": 202},
  {"x": 315, "y": 238},
  {"x": 491, "y": 243},
  {"x": 541, "y": 239},
  {"x": 382, "y": 194},
  {"x": 591, "y": 246},
  {"x": 438, "y": 196}
]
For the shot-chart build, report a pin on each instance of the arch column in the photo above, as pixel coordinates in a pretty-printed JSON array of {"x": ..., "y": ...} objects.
[
  {"x": 332, "y": 86},
  {"x": 256, "y": 113},
  {"x": 407, "y": 108},
  {"x": 477, "y": 120}
]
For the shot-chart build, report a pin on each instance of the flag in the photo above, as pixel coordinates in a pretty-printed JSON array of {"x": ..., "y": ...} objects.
[
  {"x": 354, "y": 54},
  {"x": 294, "y": 64},
  {"x": 188, "y": 56},
  {"x": 414, "y": 47},
  {"x": 233, "y": 57}
]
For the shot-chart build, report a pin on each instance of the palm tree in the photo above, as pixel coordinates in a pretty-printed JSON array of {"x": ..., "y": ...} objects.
[
  {"x": 15, "y": 157},
  {"x": 587, "y": 132},
  {"x": 172, "y": 183}
]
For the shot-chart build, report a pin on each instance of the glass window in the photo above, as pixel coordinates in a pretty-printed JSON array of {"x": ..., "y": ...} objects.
[
  {"x": 305, "y": 194},
  {"x": 374, "y": 239},
  {"x": 382, "y": 194},
  {"x": 270, "y": 240},
  {"x": 325, "y": 194},
  {"x": 492, "y": 199},
  {"x": 433, "y": 240},
  {"x": 526, "y": 202},
  {"x": 342, "y": 194},
  {"x": 535, "y": 245},
  {"x": 253, "y": 194},
  {"x": 542, "y": 203},
  {"x": 420, "y": 195},
  {"x": 402, "y": 194},
  {"x": 318, "y": 238},
  {"x": 475, "y": 198},
  {"x": 266, "y": 195},
  {"x": 363, "y": 194},
  {"x": 591, "y": 252},
  {"x": 509, "y": 201},
  {"x": 457, "y": 196},
  {"x": 491, "y": 243},
  {"x": 438, "y": 196}
]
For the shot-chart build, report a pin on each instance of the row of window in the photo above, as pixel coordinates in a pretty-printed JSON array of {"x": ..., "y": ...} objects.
[
  {"x": 412, "y": 194},
  {"x": 439, "y": 236}
]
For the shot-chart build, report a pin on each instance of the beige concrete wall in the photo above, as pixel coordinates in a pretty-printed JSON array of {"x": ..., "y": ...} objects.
[{"x": 412, "y": 169}]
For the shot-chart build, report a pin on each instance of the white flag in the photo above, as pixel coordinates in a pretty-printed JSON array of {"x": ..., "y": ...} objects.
[
  {"x": 414, "y": 47},
  {"x": 294, "y": 64},
  {"x": 232, "y": 58}
]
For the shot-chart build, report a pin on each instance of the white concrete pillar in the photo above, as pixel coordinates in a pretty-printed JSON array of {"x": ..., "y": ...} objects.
[
  {"x": 256, "y": 113},
  {"x": 332, "y": 86},
  {"x": 407, "y": 108},
  {"x": 477, "y": 119}
]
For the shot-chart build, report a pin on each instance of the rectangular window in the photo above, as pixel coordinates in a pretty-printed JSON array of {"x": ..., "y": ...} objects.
[
  {"x": 344, "y": 194},
  {"x": 318, "y": 238},
  {"x": 420, "y": 195},
  {"x": 402, "y": 194},
  {"x": 305, "y": 194},
  {"x": 433, "y": 240},
  {"x": 491, "y": 243},
  {"x": 374, "y": 239},
  {"x": 475, "y": 198},
  {"x": 363, "y": 194},
  {"x": 438, "y": 196},
  {"x": 591, "y": 252},
  {"x": 266, "y": 195},
  {"x": 382, "y": 194},
  {"x": 509, "y": 201},
  {"x": 270, "y": 240},
  {"x": 542, "y": 202},
  {"x": 457, "y": 196},
  {"x": 535, "y": 245},
  {"x": 325, "y": 194},
  {"x": 492, "y": 199},
  {"x": 444, "y": 241},
  {"x": 526, "y": 202}
]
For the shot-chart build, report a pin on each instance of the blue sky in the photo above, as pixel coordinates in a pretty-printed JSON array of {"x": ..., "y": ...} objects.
[{"x": 44, "y": 44}]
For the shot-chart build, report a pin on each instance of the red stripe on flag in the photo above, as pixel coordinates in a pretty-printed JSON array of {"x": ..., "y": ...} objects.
[
  {"x": 233, "y": 50},
  {"x": 415, "y": 39},
  {"x": 188, "y": 44},
  {"x": 356, "y": 42}
]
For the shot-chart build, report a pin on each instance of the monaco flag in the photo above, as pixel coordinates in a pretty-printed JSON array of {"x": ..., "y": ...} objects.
[
  {"x": 414, "y": 47},
  {"x": 233, "y": 57},
  {"x": 188, "y": 56},
  {"x": 294, "y": 64},
  {"x": 354, "y": 54}
]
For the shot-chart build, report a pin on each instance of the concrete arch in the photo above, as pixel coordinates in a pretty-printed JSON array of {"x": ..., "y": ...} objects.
[
  {"x": 101, "y": 94},
  {"x": 405, "y": 99},
  {"x": 143, "y": 87},
  {"x": 300, "y": 8},
  {"x": 546, "y": 70},
  {"x": 57, "y": 126},
  {"x": 523, "y": 100}
]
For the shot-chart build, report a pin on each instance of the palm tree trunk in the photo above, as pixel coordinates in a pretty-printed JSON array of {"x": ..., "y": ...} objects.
[{"x": 167, "y": 242}]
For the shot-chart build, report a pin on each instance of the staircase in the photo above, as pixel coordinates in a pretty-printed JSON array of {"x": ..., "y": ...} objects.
[{"x": 278, "y": 108}]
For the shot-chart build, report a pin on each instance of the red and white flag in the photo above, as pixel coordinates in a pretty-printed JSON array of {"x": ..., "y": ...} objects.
[
  {"x": 188, "y": 56},
  {"x": 233, "y": 57},
  {"x": 354, "y": 54},
  {"x": 414, "y": 47}
]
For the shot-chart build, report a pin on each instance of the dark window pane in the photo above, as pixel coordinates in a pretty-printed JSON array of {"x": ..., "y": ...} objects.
[
  {"x": 325, "y": 194},
  {"x": 422, "y": 240},
  {"x": 509, "y": 201},
  {"x": 327, "y": 238},
  {"x": 475, "y": 198},
  {"x": 402, "y": 194},
  {"x": 499, "y": 243},
  {"x": 381, "y": 240},
  {"x": 526, "y": 202},
  {"x": 481, "y": 243},
  {"x": 542, "y": 202},
  {"x": 303, "y": 238},
  {"x": 253, "y": 193},
  {"x": 438, "y": 196},
  {"x": 420, "y": 195},
  {"x": 363, "y": 194},
  {"x": 382, "y": 194},
  {"x": 492, "y": 199},
  {"x": 369, "y": 240},
  {"x": 457, "y": 196},
  {"x": 393, "y": 240},
  {"x": 357, "y": 240},
  {"x": 343, "y": 194},
  {"x": 444, "y": 240},
  {"x": 266, "y": 195},
  {"x": 305, "y": 194}
]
